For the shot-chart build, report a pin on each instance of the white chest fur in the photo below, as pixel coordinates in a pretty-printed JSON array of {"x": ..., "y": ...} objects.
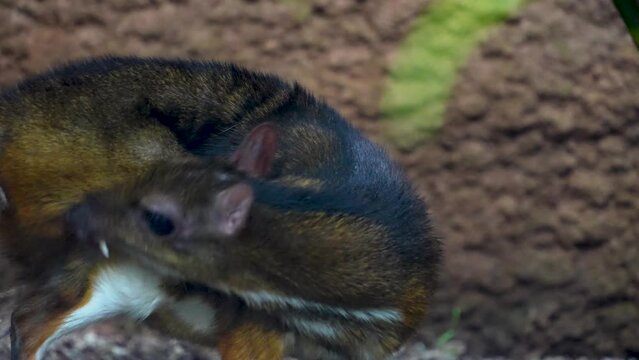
[
  {"x": 118, "y": 289},
  {"x": 131, "y": 290}
]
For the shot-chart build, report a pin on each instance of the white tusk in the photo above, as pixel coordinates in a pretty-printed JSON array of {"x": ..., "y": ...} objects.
[
  {"x": 3, "y": 200},
  {"x": 104, "y": 248}
]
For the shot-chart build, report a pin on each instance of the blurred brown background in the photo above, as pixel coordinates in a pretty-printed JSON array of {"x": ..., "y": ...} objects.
[{"x": 533, "y": 180}]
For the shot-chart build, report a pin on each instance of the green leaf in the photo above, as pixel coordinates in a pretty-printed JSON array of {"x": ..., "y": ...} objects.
[
  {"x": 424, "y": 72},
  {"x": 629, "y": 11}
]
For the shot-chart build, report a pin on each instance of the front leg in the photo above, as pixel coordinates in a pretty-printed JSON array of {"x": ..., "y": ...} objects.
[
  {"x": 79, "y": 297},
  {"x": 40, "y": 318},
  {"x": 196, "y": 316}
]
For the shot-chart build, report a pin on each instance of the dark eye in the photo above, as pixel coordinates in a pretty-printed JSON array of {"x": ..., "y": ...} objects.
[{"x": 158, "y": 223}]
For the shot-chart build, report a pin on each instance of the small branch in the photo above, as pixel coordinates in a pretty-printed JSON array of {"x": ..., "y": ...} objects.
[{"x": 629, "y": 11}]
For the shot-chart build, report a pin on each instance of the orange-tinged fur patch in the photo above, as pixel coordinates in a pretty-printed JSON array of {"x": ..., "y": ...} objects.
[
  {"x": 251, "y": 341},
  {"x": 414, "y": 303},
  {"x": 49, "y": 328},
  {"x": 41, "y": 184},
  {"x": 46, "y": 169}
]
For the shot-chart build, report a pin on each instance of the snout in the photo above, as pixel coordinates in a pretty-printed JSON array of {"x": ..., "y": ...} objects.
[
  {"x": 80, "y": 220},
  {"x": 81, "y": 224}
]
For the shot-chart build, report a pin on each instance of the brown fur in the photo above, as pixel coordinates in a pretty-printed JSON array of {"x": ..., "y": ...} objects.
[
  {"x": 357, "y": 233},
  {"x": 334, "y": 260}
]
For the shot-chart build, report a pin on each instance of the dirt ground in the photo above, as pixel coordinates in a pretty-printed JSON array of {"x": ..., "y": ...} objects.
[{"x": 533, "y": 181}]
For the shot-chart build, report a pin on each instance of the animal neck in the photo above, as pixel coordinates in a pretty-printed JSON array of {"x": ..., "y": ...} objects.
[{"x": 115, "y": 289}]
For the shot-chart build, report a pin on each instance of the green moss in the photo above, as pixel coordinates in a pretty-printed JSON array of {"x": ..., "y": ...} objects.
[
  {"x": 301, "y": 8},
  {"x": 422, "y": 77}
]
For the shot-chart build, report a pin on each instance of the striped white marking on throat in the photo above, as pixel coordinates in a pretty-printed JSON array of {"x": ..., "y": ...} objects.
[
  {"x": 118, "y": 289},
  {"x": 261, "y": 299},
  {"x": 314, "y": 328}
]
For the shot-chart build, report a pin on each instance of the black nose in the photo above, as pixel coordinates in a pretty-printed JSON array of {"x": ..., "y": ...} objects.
[{"x": 79, "y": 221}]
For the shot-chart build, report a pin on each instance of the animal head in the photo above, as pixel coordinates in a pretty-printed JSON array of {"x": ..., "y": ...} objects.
[{"x": 184, "y": 216}]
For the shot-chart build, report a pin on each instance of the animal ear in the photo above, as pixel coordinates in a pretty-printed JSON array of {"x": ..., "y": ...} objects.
[
  {"x": 231, "y": 209},
  {"x": 256, "y": 152}
]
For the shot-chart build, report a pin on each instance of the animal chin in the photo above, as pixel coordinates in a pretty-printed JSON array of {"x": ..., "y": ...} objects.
[{"x": 147, "y": 259}]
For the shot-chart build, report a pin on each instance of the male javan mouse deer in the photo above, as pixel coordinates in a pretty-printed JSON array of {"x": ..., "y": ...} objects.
[
  {"x": 322, "y": 281},
  {"x": 332, "y": 249}
]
